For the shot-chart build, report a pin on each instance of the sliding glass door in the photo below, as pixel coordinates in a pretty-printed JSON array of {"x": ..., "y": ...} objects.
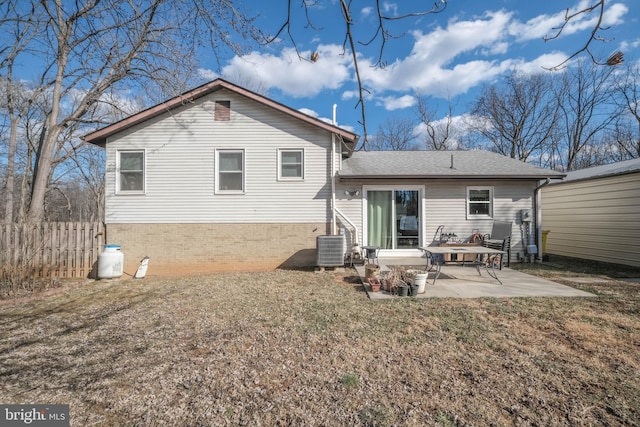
[{"x": 393, "y": 218}]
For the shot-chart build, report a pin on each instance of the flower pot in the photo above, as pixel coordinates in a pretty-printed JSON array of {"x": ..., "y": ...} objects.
[
  {"x": 414, "y": 290},
  {"x": 375, "y": 284},
  {"x": 403, "y": 290}
]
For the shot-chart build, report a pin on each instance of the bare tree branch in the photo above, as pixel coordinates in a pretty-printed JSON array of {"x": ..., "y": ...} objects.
[
  {"x": 89, "y": 48},
  {"x": 350, "y": 43},
  {"x": 599, "y": 7}
]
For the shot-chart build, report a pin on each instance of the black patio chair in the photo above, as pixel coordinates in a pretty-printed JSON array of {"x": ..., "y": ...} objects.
[{"x": 500, "y": 238}]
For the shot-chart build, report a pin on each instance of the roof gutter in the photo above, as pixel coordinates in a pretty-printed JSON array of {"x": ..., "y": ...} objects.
[{"x": 440, "y": 177}]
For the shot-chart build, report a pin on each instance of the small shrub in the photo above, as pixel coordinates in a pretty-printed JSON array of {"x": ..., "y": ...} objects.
[
  {"x": 444, "y": 420},
  {"x": 349, "y": 380}
]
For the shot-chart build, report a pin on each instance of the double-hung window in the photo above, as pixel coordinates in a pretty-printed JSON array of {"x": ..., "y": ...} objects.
[
  {"x": 479, "y": 202},
  {"x": 131, "y": 167},
  {"x": 291, "y": 164},
  {"x": 230, "y": 167}
]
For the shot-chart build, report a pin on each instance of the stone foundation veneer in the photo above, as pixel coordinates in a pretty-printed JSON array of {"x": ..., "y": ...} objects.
[{"x": 177, "y": 249}]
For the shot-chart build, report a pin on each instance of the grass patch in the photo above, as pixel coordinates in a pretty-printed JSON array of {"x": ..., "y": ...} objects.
[
  {"x": 302, "y": 348},
  {"x": 349, "y": 380}
]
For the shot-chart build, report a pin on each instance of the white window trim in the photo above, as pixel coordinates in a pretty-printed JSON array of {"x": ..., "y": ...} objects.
[
  {"x": 217, "y": 171},
  {"x": 290, "y": 178},
  {"x": 468, "y": 202},
  {"x": 144, "y": 172}
]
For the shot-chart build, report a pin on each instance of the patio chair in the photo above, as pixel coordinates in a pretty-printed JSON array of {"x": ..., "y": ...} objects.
[{"x": 500, "y": 238}]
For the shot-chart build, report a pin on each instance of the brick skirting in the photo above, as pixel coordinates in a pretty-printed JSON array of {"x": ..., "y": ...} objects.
[{"x": 176, "y": 249}]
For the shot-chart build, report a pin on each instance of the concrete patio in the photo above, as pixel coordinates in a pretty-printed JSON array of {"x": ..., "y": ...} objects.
[{"x": 458, "y": 281}]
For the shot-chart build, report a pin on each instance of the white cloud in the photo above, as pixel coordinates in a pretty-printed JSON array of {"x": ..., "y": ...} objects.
[
  {"x": 349, "y": 94},
  {"x": 425, "y": 69},
  {"x": 428, "y": 68},
  {"x": 443, "y": 61},
  {"x": 498, "y": 48},
  {"x": 309, "y": 112},
  {"x": 542, "y": 62},
  {"x": 391, "y": 103},
  {"x": 292, "y": 75},
  {"x": 207, "y": 74},
  {"x": 543, "y": 26},
  {"x": 614, "y": 14},
  {"x": 390, "y": 7},
  {"x": 455, "y": 128},
  {"x": 628, "y": 45},
  {"x": 348, "y": 128},
  {"x": 313, "y": 113}
]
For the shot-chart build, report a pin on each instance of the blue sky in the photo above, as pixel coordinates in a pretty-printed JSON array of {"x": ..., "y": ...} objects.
[{"x": 449, "y": 55}]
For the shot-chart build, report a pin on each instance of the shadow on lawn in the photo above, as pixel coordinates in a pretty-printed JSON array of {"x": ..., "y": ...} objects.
[{"x": 68, "y": 329}]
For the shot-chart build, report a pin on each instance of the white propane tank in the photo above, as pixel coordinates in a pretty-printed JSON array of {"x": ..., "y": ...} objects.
[{"x": 110, "y": 262}]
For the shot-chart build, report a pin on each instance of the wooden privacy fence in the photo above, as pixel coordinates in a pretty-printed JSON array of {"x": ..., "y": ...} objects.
[{"x": 52, "y": 249}]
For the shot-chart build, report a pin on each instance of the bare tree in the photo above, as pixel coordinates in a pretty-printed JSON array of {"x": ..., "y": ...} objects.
[
  {"x": 394, "y": 133},
  {"x": 518, "y": 117},
  {"x": 87, "y": 48},
  {"x": 627, "y": 130},
  {"x": 439, "y": 134},
  {"x": 19, "y": 30},
  {"x": 587, "y": 109}
]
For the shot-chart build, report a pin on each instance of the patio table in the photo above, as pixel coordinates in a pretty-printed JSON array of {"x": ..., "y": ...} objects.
[{"x": 484, "y": 257}]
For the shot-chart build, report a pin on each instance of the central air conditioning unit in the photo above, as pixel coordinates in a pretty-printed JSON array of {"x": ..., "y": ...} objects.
[{"x": 330, "y": 251}]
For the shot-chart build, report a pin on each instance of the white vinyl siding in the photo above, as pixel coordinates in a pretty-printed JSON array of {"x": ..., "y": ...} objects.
[
  {"x": 130, "y": 176},
  {"x": 444, "y": 203},
  {"x": 181, "y": 175},
  {"x": 594, "y": 219}
]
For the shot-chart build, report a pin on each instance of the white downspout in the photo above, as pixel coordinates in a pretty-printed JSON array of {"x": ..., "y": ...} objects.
[
  {"x": 538, "y": 211},
  {"x": 333, "y": 175}
]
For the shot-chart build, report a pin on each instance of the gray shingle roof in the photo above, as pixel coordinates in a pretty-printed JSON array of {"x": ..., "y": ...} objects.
[
  {"x": 437, "y": 164},
  {"x": 619, "y": 168}
]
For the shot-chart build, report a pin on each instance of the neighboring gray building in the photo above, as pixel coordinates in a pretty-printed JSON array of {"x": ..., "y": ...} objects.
[{"x": 595, "y": 214}]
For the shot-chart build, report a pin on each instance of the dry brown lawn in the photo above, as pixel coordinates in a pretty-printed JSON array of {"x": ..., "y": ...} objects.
[{"x": 304, "y": 348}]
